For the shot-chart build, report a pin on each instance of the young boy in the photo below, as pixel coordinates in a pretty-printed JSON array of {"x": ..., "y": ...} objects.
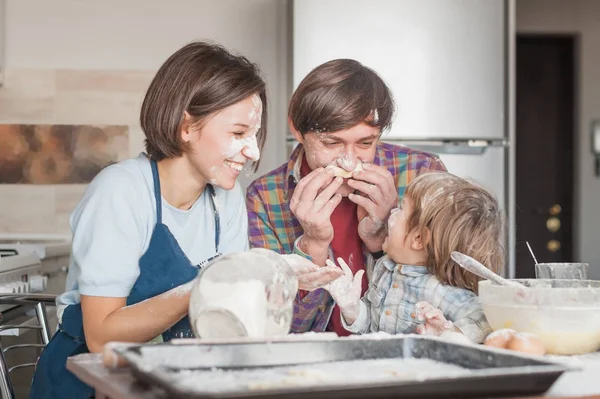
[{"x": 417, "y": 287}]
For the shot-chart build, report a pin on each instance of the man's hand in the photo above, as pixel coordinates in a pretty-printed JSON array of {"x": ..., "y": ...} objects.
[
  {"x": 312, "y": 203},
  {"x": 379, "y": 197}
]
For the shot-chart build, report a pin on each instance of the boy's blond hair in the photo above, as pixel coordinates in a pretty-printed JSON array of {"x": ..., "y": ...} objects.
[{"x": 454, "y": 214}]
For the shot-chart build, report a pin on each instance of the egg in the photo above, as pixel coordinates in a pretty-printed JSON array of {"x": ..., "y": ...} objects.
[
  {"x": 526, "y": 343},
  {"x": 500, "y": 338}
]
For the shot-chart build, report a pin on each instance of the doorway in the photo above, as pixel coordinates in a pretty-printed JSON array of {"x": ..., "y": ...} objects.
[{"x": 545, "y": 134}]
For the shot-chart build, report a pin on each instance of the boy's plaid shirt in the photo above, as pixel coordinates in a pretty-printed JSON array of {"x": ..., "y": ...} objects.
[{"x": 272, "y": 225}]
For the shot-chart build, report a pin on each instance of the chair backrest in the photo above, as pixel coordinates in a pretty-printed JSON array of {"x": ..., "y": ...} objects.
[{"x": 39, "y": 303}]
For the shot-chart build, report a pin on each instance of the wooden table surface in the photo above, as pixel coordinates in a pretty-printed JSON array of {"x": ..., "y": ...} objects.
[
  {"x": 121, "y": 384},
  {"x": 108, "y": 383}
]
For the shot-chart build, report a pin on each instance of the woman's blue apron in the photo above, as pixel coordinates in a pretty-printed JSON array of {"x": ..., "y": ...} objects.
[{"x": 162, "y": 267}]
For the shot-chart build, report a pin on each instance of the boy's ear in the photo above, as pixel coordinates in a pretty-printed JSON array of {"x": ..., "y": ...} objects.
[{"x": 419, "y": 240}]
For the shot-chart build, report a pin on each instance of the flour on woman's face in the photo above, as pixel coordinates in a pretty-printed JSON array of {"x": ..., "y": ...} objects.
[
  {"x": 244, "y": 148},
  {"x": 229, "y": 141}
]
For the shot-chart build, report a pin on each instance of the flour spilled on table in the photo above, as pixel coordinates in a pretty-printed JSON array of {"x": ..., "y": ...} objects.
[{"x": 330, "y": 374}]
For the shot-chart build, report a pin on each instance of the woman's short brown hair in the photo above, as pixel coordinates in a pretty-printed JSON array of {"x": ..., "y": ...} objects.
[
  {"x": 338, "y": 95},
  {"x": 201, "y": 78},
  {"x": 454, "y": 214}
]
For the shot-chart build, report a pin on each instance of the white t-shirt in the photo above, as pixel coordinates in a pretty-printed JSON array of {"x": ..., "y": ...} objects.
[{"x": 113, "y": 223}]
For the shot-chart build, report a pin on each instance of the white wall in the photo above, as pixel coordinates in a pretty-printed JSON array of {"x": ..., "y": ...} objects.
[
  {"x": 131, "y": 34},
  {"x": 141, "y": 34},
  {"x": 89, "y": 62},
  {"x": 580, "y": 17}
]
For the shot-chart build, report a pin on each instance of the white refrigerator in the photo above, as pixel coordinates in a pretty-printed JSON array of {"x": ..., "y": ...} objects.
[{"x": 449, "y": 64}]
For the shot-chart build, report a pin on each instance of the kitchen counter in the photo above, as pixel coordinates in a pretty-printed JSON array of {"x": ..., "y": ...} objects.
[
  {"x": 582, "y": 383},
  {"x": 120, "y": 383}
]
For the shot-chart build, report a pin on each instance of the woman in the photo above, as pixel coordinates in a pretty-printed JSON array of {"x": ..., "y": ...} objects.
[{"x": 145, "y": 225}]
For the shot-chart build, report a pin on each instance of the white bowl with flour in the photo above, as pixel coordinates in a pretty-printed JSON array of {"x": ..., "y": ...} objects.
[
  {"x": 564, "y": 314},
  {"x": 248, "y": 294}
]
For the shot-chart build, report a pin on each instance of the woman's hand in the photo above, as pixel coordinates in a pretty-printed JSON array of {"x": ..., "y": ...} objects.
[
  {"x": 310, "y": 276},
  {"x": 107, "y": 319}
]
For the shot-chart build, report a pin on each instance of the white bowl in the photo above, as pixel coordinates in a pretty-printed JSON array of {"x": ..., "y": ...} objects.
[
  {"x": 565, "y": 314},
  {"x": 247, "y": 294}
]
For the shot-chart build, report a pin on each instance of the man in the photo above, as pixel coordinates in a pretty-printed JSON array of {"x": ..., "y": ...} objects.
[{"x": 337, "y": 113}]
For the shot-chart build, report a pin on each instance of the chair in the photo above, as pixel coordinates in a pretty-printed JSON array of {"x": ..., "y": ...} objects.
[{"x": 38, "y": 302}]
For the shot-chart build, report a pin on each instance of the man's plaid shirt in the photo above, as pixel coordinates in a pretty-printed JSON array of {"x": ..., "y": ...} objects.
[{"x": 272, "y": 225}]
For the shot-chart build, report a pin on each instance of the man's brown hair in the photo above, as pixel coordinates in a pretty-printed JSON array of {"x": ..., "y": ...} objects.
[
  {"x": 454, "y": 214},
  {"x": 201, "y": 78},
  {"x": 338, "y": 95}
]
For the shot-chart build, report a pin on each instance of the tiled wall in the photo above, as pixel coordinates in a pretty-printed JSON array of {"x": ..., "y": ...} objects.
[{"x": 63, "y": 97}]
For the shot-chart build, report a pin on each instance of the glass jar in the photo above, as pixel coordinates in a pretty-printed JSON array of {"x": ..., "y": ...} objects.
[
  {"x": 246, "y": 294},
  {"x": 562, "y": 271}
]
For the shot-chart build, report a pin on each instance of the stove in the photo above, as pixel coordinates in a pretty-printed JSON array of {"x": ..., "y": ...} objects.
[
  {"x": 17, "y": 270},
  {"x": 53, "y": 253},
  {"x": 19, "y": 274}
]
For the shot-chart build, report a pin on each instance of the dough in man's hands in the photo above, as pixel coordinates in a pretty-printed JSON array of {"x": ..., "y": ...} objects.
[{"x": 343, "y": 173}]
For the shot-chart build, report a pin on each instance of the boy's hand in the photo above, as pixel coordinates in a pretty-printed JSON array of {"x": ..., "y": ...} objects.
[
  {"x": 434, "y": 322},
  {"x": 346, "y": 291}
]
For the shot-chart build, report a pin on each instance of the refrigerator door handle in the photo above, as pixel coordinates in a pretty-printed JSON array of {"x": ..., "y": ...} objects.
[
  {"x": 450, "y": 145},
  {"x": 456, "y": 146}
]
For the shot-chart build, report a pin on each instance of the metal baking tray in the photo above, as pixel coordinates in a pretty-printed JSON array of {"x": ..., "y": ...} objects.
[{"x": 199, "y": 370}]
